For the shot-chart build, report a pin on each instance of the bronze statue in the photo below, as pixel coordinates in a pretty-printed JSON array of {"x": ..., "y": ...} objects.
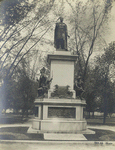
[
  {"x": 78, "y": 87},
  {"x": 60, "y": 36},
  {"x": 44, "y": 83}
]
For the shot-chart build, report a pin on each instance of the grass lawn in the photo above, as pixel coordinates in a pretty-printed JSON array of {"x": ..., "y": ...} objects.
[
  {"x": 20, "y": 133},
  {"x": 101, "y": 135},
  {"x": 98, "y": 120},
  {"x": 12, "y": 119}
]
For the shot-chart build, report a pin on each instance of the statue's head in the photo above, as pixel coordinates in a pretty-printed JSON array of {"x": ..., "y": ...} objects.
[
  {"x": 61, "y": 19},
  {"x": 42, "y": 71}
]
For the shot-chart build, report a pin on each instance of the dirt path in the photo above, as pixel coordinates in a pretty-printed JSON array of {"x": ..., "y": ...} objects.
[{"x": 28, "y": 146}]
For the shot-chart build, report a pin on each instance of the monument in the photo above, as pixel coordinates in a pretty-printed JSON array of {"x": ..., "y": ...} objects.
[{"x": 60, "y": 114}]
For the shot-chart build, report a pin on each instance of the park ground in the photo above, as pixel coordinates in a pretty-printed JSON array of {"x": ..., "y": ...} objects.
[
  {"x": 13, "y": 127},
  {"x": 54, "y": 146}
]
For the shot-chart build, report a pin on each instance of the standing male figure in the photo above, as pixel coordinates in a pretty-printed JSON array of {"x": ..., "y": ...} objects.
[{"x": 60, "y": 36}]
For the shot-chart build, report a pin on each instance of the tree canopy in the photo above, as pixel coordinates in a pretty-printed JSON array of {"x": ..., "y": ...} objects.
[
  {"x": 101, "y": 83},
  {"x": 13, "y": 11}
]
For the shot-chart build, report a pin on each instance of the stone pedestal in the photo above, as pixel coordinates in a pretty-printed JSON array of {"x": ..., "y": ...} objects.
[
  {"x": 59, "y": 116},
  {"x": 55, "y": 114},
  {"x": 62, "y": 70}
]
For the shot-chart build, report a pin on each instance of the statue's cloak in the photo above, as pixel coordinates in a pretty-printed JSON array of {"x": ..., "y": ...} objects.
[{"x": 60, "y": 33}]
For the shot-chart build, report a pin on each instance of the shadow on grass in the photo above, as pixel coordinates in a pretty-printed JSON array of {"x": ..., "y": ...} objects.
[
  {"x": 99, "y": 121},
  {"x": 20, "y": 133},
  {"x": 101, "y": 135},
  {"x": 12, "y": 119},
  {"x": 14, "y": 129}
]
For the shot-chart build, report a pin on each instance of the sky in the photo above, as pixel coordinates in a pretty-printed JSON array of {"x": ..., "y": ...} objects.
[
  {"x": 111, "y": 35},
  {"x": 109, "y": 32}
]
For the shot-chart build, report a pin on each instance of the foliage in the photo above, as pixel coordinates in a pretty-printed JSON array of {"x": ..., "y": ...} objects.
[
  {"x": 61, "y": 92},
  {"x": 13, "y": 11},
  {"x": 99, "y": 92},
  {"x": 23, "y": 25},
  {"x": 97, "y": 88},
  {"x": 19, "y": 92},
  {"x": 27, "y": 93},
  {"x": 107, "y": 75}
]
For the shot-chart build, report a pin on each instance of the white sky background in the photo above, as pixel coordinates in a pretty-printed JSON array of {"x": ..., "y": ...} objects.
[{"x": 109, "y": 33}]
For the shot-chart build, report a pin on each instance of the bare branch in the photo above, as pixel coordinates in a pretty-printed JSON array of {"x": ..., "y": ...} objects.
[{"x": 29, "y": 50}]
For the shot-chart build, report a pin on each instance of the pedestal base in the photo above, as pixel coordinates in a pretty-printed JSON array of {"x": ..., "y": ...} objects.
[
  {"x": 59, "y": 116},
  {"x": 59, "y": 126},
  {"x": 72, "y": 137},
  {"x": 62, "y": 136}
]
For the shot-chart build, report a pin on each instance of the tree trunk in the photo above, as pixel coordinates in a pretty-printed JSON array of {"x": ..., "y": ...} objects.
[
  {"x": 23, "y": 113},
  {"x": 89, "y": 114},
  {"x": 26, "y": 113},
  {"x": 105, "y": 110},
  {"x": 93, "y": 114},
  {"x": 105, "y": 101}
]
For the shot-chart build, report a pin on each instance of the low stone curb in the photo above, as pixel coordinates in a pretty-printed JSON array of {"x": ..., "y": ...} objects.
[{"x": 61, "y": 142}]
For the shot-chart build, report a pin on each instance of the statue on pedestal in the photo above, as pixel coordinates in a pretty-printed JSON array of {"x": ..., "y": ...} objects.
[
  {"x": 60, "y": 35},
  {"x": 78, "y": 87},
  {"x": 44, "y": 83}
]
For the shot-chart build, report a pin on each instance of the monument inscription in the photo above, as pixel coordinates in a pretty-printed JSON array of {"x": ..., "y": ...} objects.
[{"x": 61, "y": 112}]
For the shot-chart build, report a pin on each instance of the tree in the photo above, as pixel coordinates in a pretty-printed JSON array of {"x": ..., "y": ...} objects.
[
  {"x": 28, "y": 91},
  {"x": 104, "y": 80},
  {"x": 90, "y": 93},
  {"x": 26, "y": 26},
  {"x": 19, "y": 92},
  {"x": 99, "y": 92},
  {"x": 87, "y": 21},
  {"x": 12, "y": 12}
]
